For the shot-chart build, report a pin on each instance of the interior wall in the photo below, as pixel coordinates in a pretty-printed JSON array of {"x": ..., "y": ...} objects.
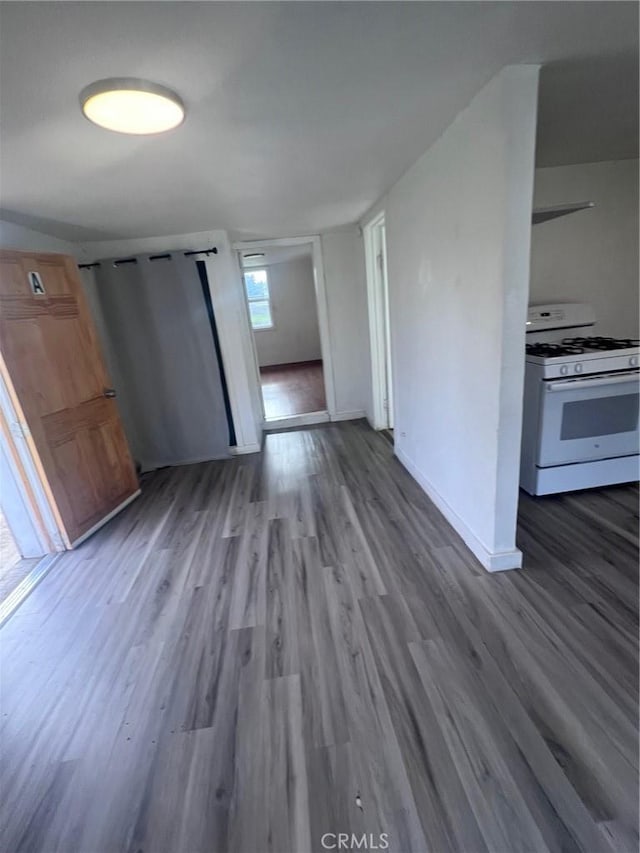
[
  {"x": 24, "y": 239},
  {"x": 458, "y": 239},
  {"x": 344, "y": 271},
  {"x": 590, "y": 256},
  {"x": 296, "y": 334}
]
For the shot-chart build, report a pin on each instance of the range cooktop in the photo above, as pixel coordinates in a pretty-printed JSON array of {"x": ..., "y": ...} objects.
[{"x": 577, "y": 346}]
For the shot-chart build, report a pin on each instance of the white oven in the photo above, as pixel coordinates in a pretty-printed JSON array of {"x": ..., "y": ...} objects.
[
  {"x": 581, "y": 405},
  {"x": 588, "y": 418}
]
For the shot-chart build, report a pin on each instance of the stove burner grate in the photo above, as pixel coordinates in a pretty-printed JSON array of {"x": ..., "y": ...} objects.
[
  {"x": 601, "y": 343},
  {"x": 553, "y": 350}
]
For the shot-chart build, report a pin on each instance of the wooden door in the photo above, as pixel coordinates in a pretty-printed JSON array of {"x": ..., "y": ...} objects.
[{"x": 57, "y": 377}]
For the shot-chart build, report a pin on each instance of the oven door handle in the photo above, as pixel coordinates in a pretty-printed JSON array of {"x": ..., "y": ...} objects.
[{"x": 565, "y": 384}]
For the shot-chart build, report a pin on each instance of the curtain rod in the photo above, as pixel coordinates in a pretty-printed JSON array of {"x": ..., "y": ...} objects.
[
  {"x": 165, "y": 257},
  {"x": 211, "y": 251}
]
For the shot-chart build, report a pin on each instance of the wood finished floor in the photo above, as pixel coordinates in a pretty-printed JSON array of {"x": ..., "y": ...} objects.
[
  {"x": 255, "y": 643},
  {"x": 292, "y": 389}
]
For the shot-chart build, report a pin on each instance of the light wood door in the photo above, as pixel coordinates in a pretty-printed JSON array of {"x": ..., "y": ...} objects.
[{"x": 56, "y": 374}]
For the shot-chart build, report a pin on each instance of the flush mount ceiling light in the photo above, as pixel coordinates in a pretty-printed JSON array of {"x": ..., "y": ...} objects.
[{"x": 129, "y": 105}]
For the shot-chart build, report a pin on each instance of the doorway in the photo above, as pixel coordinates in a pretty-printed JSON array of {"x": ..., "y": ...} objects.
[
  {"x": 379, "y": 323},
  {"x": 11, "y": 573},
  {"x": 284, "y": 292},
  {"x": 29, "y": 535}
]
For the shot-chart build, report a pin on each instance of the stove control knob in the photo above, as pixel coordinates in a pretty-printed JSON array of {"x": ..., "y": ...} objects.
[
  {"x": 564, "y": 370},
  {"x": 577, "y": 368},
  {"x": 633, "y": 361}
]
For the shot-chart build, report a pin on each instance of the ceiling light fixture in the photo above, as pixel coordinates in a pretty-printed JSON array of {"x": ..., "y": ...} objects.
[{"x": 129, "y": 105}]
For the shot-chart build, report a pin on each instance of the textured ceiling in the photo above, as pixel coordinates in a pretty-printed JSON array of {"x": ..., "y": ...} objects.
[{"x": 300, "y": 115}]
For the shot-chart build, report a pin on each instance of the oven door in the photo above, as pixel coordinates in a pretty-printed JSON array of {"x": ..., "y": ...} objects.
[{"x": 582, "y": 419}]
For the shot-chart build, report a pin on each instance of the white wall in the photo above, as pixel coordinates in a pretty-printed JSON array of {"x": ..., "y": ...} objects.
[
  {"x": 344, "y": 269},
  {"x": 26, "y": 240},
  {"x": 458, "y": 238},
  {"x": 295, "y": 335},
  {"x": 590, "y": 256}
]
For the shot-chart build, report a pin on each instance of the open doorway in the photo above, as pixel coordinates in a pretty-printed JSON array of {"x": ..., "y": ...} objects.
[
  {"x": 29, "y": 536},
  {"x": 379, "y": 325},
  {"x": 280, "y": 281},
  {"x": 14, "y": 568}
]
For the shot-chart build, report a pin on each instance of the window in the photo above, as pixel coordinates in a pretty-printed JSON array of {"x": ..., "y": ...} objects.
[{"x": 257, "y": 287}]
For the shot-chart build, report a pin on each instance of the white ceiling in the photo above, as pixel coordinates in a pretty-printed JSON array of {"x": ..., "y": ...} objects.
[{"x": 300, "y": 115}]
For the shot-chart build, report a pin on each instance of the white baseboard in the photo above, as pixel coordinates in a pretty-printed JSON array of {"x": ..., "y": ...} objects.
[
  {"x": 493, "y": 561},
  {"x": 348, "y": 416},
  {"x": 244, "y": 448}
]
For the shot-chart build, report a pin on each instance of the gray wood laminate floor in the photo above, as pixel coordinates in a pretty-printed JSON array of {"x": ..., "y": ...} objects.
[{"x": 261, "y": 651}]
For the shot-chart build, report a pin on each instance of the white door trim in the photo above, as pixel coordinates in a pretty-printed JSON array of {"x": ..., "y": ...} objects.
[
  {"x": 255, "y": 377},
  {"x": 321, "y": 301},
  {"x": 388, "y": 363},
  {"x": 378, "y": 308}
]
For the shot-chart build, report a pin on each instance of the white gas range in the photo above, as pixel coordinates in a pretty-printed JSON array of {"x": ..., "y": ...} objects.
[{"x": 581, "y": 403}]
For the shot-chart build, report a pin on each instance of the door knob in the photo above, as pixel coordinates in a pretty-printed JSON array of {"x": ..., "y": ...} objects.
[{"x": 109, "y": 392}]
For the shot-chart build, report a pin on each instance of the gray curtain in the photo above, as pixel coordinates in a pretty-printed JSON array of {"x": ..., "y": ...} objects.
[{"x": 153, "y": 322}]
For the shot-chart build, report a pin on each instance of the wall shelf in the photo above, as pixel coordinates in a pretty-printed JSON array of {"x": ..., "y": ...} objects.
[{"x": 543, "y": 214}]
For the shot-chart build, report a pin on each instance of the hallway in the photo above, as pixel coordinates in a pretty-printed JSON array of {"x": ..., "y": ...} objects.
[{"x": 264, "y": 650}]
